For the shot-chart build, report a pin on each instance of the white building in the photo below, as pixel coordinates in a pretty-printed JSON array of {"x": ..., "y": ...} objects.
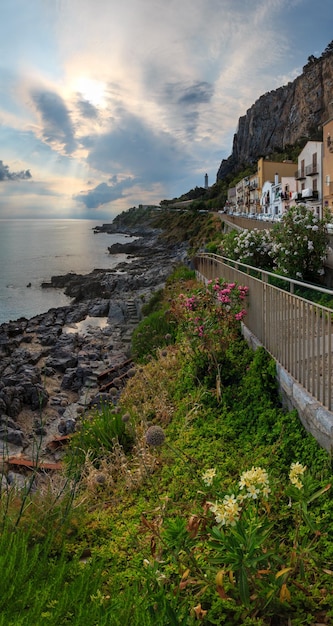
[
  {"x": 309, "y": 190},
  {"x": 276, "y": 198}
]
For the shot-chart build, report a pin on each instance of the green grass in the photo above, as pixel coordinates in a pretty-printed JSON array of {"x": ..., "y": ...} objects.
[{"x": 145, "y": 530}]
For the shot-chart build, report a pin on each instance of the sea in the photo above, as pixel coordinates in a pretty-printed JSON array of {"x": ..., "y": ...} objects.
[{"x": 32, "y": 251}]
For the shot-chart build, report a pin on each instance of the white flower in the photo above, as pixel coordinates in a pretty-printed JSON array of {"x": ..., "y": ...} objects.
[{"x": 208, "y": 476}]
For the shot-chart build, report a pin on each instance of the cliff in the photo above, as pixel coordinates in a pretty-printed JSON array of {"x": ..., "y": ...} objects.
[{"x": 284, "y": 116}]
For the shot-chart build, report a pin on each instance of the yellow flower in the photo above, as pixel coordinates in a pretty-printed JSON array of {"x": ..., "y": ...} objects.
[
  {"x": 254, "y": 480},
  {"x": 208, "y": 476},
  {"x": 226, "y": 512},
  {"x": 296, "y": 472}
]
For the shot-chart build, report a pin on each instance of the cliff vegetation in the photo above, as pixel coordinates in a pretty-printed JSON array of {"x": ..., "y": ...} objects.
[{"x": 195, "y": 499}]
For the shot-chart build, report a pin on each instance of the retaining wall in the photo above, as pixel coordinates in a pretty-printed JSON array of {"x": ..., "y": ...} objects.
[{"x": 315, "y": 418}]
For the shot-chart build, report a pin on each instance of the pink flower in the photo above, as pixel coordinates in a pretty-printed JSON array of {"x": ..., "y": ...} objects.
[
  {"x": 224, "y": 299},
  {"x": 239, "y": 316},
  {"x": 190, "y": 303}
]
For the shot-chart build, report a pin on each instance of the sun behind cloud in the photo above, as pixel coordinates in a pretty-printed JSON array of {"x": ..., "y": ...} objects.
[{"x": 92, "y": 90}]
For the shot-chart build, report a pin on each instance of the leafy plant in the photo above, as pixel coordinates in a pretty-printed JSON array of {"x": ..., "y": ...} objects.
[
  {"x": 99, "y": 433},
  {"x": 252, "y": 247},
  {"x": 153, "y": 332},
  {"x": 300, "y": 244}
]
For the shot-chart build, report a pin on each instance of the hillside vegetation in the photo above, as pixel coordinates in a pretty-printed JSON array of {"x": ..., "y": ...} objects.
[
  {"x": 195, "y": 499},
  {"x": 189, "y": 224}
]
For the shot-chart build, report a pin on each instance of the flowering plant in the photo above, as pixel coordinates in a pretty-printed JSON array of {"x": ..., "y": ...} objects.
[
  {"x": 252, "y": 247},
  {"x": 241, "y": 536},
  {"x": 212, "y": 311},
  {"x": 209, "y": 318},
  {"x": 300, "y": 244},
  {"x": 295, "y": 247},
  {"x": 232, "y": 548}
]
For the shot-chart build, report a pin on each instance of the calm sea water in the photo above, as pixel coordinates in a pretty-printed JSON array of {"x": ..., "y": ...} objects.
[{"x": 31, "y": 251}]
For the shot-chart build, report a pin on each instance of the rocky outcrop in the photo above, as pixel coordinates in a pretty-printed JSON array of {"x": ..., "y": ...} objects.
[
  {"x": 284, "y": 116},
  {"x": 51, "y": 365}
]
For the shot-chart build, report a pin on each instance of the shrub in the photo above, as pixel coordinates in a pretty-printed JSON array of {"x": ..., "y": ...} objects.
[
  {"x": 300, "y": 244},
  {"x": 99, "y": 433},
  {"x": 154, "y": 331},
  {"x": 252, "y": 247}
]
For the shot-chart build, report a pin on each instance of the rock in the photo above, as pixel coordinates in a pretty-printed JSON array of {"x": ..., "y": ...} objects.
[
  {"x": 36, "y": 355},
  {"x": 116, "y": 313},
  {"x": 62, "y": 360},
  {"x": 19, "y": 482},
  {"x": 11, "y": 435},
  {"x": 283, "y": 116},
  {"x": 67, "y": 426},
  {"x": 7, "y": 422}
]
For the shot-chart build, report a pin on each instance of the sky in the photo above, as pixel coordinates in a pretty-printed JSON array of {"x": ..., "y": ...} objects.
[{"x": 108, "y": 104}]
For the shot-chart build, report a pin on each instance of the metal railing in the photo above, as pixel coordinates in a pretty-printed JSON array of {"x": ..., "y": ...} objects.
[{"x": 294, "y": 330}]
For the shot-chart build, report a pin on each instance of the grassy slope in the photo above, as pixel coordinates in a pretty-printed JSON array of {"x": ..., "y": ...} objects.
[{"x": 123, "y": 502}]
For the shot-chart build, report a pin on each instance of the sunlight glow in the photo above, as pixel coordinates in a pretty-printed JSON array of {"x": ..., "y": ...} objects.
[{"x": 92, "y": 90}]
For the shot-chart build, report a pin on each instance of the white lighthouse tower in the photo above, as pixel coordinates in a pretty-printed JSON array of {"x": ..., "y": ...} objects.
[{"x": 206, "y": 181}]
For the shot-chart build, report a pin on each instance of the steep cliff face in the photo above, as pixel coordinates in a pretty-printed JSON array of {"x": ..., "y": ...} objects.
[{"x": 283, "y": 116}]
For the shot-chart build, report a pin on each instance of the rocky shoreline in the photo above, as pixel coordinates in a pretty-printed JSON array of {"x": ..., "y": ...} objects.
[{"x": 53, "y": 367}]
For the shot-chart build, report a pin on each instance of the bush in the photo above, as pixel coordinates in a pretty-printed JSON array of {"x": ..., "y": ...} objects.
[
  {"x": 300, "y": 244},
  {"x": 252, "y": 247},
  {"x": 153, "y": 332},
  {"x": 98, "y": 434}
]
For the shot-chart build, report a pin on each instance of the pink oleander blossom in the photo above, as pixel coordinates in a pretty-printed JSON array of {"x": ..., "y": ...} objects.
[
  {"x": 224, "y": 299},
  {"x": 190, "y": 303},
  {"x": 239, "y": 316}
]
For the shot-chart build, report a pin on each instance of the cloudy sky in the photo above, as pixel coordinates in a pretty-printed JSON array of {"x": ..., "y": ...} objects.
[{"x": 106, "y": 105}]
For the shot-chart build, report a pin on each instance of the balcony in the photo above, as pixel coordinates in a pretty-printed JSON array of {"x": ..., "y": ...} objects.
[
  {"x": 311, "y": 170},
  {"x": 309, "y": 194},
  {"x": 300, "y": 174}
]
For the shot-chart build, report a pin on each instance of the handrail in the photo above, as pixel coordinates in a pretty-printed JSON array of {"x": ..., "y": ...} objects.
[
  {"x": 266, "y": 273},
  {"x": 294, "y": 330}
]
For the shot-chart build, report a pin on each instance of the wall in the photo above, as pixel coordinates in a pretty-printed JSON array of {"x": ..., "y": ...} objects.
[{"x": 315, "y": 418}]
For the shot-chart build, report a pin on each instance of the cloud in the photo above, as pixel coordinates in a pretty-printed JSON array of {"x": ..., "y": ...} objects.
[
  {"x": 103, "y": 193},
  {"x": 137, "y": 150},
  {"x": 197, "y": 93},
  {"x": 6, "y": 174},
  {"x": 87, "y": 109},
  {"x": 141, "y": 98},
  {"x": 57, "y": 125}
]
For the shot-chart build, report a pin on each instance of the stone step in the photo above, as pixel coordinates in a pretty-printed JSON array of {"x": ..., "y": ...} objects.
[{"x": 132, "y": 312}]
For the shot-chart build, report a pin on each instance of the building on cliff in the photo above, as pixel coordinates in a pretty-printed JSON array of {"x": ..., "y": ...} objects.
[
  {"x": 278, "y": 185},
  {"x": 309, "y": 177},
  {"x": 327, "y": 169}
]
